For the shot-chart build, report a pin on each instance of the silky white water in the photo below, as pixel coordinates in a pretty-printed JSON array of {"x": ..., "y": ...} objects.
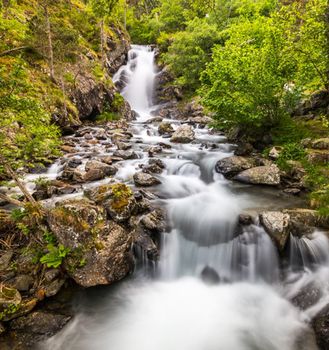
[{"x": 217, "y": 286}]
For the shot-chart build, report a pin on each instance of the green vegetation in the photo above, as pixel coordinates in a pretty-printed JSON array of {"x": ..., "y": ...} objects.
[
  {"x": 55, "y": 255},
  {"x": 45, "y": 46}
]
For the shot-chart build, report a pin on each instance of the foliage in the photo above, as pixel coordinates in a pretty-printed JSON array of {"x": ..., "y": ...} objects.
[
  {"x": 54, "y": 257},
  {"x": 26, "y": 133},
  {"x": 245, "y": 83},
  {"x": 291, "y": 151},
  {"x": 190, "y": 51}
]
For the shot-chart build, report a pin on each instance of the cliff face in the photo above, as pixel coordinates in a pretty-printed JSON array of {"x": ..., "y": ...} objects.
[{"x": 80, "y": 87}]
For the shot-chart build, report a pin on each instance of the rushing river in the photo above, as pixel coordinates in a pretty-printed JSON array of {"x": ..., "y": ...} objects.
[{"x": 212, "y": 289}]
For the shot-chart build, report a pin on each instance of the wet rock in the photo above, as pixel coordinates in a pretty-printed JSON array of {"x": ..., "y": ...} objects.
[
  {"x": 165, "y": 128},
  {"x": 53, "y": 287},
  {"x": 152, "y": 169},
  {"x": 292, "y": 191},
  {"x": 100, "y": 250},
  {"x": 123, "y": 146},
  {"x": 262, "y": 175},
  {"x": 245, "y": 219},
  {"x": 308, "y": 296},
  {"x": 145, "y": 180},
  {"x": 72, "y": 222},
  {"x": 301, "y": 218},
  {"x": 233, "y": 165},
  {"x": 154, "y": 150},
  {"x": 76, "y": 176},
  {"x": 157, "y": 162},
  {"x": 51, "y": 274},
  {"x": 106, "y": 159},
  {"x": 154, "y": 120},
  {"x": 184, "y": 134},
  {"x": 202, "y": 120},
  {"x": 146, "y": 244},
  {"x": 210, "y": 276},
  {"x": 276, "y": 224},
  {"x": 101, "y": 135},
  {"x": 68, "y": 149},
  {"x": 125, "y": 154},
  {"x": 320, "y": 325},
  {"x": 106, "y": 257},
  {"x": 117, "y": 199},
  {"x": 74, "y": 162},
  {"x": 22, "y": 282},
  {"x": 38, "y": 325},
  {"x": 99, "y": 167},
  {"x": 154, "y": 221}
]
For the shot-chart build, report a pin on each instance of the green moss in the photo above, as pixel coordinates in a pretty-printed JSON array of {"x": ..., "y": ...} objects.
[
  {"x": 122, "y": 194},
  {"x": 71, "y": 218}
]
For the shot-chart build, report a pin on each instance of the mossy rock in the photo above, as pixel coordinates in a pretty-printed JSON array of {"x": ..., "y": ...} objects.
[
  {"x": 118, "y": 200},
  {"x": 74, "y": 222}
]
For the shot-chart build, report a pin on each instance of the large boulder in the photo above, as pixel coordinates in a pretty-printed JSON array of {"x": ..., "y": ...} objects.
[
  {"x": 99, "y": 250},
  {"x": 96, "y": 170},
  {"x": 320, "y": 325},
  {"x": 36, "y": 327},
  {"x": 303, "y": 218},
  {"x": 184, "y": 134},
  {"x": 118, "y": 200},
  {"x": 145, "y": 180},
  {"x": 165, "y": 128},
  {"x": 233, "y": 165},
  {"x": 261, "y": 175},
  {"x": 276, "y": 225}
]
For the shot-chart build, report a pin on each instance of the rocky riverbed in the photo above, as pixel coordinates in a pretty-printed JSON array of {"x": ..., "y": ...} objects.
[{"x": 119, "y": 189}]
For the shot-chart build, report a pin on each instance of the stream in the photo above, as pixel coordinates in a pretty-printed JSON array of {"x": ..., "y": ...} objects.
[{"x": 212, "y": 289}]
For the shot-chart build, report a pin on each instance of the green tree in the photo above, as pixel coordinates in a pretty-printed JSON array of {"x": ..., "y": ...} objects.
[
  {"x": 102, "y": 9},
  {"x": 27, "y": 136},
  {"x": 245, "y": 85},
  {"x": 190, "y": 51}
]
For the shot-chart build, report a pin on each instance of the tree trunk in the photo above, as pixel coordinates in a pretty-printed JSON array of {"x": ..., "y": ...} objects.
[
  {"x": 50, "y": 45},
  {"x": 64, "y": 99},
  {"x": 327, "y": 44},
  {"x": 20, "y": 184},
  {"x": 11, "y": 200},
  {"x": 103, "y": 44}
]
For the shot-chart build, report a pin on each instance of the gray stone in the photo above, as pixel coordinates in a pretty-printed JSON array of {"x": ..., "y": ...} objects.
[
  {"x": 165, "y": 128},
  {"x": 184, "y": 134},
  {"x": 23, "y": 282},
  {"x": 145, "y": 180},
  {"x": 262, "y": 175},
  {"x": 231, "y": 166},
  {"x": 276, "y": 225}
]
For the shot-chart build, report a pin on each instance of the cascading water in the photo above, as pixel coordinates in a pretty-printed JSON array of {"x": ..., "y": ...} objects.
[
  {"x": 140, "y": 73},
  {"x": 218, "y": 285}
]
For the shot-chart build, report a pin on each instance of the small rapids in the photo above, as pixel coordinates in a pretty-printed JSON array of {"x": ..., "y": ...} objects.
[
  {"x": 187, "y": 314},
  {"x": 218, "y": 285}
]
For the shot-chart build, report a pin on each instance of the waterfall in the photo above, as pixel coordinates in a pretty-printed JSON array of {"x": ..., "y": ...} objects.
[
  {"x": 218, "y": 284},
  {"x": 139, "y": 75}
]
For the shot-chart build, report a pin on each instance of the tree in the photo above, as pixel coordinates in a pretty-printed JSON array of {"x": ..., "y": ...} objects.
[
  {"x": 245, "y": 83},
  {"x": 27, "y": 136},
  {"x": 103, "y": 9},
  {"x": 190, "y": 51}
]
